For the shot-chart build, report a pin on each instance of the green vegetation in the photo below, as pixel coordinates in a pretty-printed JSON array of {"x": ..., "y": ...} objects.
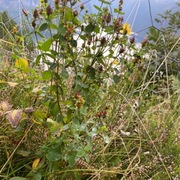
[{"x": 102, "y": 109}]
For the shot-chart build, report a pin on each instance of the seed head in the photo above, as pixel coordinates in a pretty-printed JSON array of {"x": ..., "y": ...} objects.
[
  {"x": 49, "y": 10},
  {"x": 36, "y": 14},
  {"x": 25, "y": 12},
  {"x": 34, "y": 24}
]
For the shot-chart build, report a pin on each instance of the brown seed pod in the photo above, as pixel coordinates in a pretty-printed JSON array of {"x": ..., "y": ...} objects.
[
  {"x": 36, "y": 14},
  {"x": 49, "y": 10},
  {"x": 108, "y": 18},
  {"x": 25, "y": 12},
  {"x": 103, "y": 41},
  {"x": 33, "y": 23},
  {"x": 75, "y": 13},
  {"x": 121, "y": 50},
  {"x": 132, "y": 40}
]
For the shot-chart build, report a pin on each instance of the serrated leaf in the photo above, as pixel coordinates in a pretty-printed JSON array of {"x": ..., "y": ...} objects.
[
  {"x": 43, "y": 27},
  {"x": 14, "y": 117},
  {"x": 47, "y": 75}
]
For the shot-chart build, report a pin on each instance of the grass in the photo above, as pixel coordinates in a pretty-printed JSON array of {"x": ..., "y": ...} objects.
[{"x": 128, "y": 130}]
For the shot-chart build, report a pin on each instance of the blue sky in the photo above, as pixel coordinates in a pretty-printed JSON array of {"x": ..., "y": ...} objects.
[{"x": 137, "y": 12}]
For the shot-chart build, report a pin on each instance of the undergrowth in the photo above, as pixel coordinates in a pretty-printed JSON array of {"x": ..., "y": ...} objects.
[{"x": 88, "y": 115}]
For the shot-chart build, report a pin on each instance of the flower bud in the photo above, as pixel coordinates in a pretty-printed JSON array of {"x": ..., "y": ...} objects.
[
  {"x": 132, "y": 39},
  {"x": 144, "y": 42},
  {"x": 108, "y": 18},
  {"x": 25, "y": 12},
  {"x": 75, "y": 13},
  {"x": 36, "y": 14},
  {"x": 56, "y": 2},
  {"x": 82, "y": 6},
  {"x": 103, "y": 41},
  {"x": 121, "y": 50},
  {"x": 49, "y": 10},
  {"x": 121, "y": 2}
]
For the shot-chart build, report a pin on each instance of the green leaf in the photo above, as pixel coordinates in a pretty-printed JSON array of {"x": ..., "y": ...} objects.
[
  {"x": 53, "y": 156},
  {"x": 62, "y": 29},
  {"x": 116, "y": 79},
  {"x": 83, "y": 110},
  {"x": 68, "y": 14},
  {"x": 98, "y": 8},
  {"x": 47, "y": 75},
  {"x": 37, "y": 176},
  {"x": 89, "y": 28},
  {"x": 43, "y": 27},
  {"x": 73, "y": 43},
  {"x": 118, "y": 12},
  {"x": 39, "y": 114},
  {"x": 97, "y": 29},
  {"x": 38, "y": 33},
  {"x": 72, "y": 159},
  {"x": 105, "y": 2},
  {"x": 38, "y": 59},
  {"x": 53, "y": 26},
  {"x": 81, "y": 153},
  {"x": 54, "y": 108},
  {"x": 90, "y": 71},
  {"x": 18, "y": 178},
  {"x": 46, "y": 45},
  {"x": 64, "y": 74}
]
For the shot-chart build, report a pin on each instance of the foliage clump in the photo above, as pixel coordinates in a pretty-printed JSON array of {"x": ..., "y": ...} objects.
[{"x": 89, "y": 107}]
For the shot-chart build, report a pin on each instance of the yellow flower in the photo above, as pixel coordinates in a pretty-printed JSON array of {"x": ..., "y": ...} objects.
[
  {"x": 21, "y": 63},
  {"x": 126, "y": 29},
  {"x": 115, "y": 62}
]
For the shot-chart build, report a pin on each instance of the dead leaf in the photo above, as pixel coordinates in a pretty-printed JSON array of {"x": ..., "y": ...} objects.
[
  {"x": 29, "y": 110},
  {"x": 5, "y": 106},
  {"x": 12, "y": 84},
  {"x": 14, "y": 117},
  {"x": 35, "y": 163}
]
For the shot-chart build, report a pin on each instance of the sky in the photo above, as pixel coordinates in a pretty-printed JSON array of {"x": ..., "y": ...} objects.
[{"x": 137, "y": 12}]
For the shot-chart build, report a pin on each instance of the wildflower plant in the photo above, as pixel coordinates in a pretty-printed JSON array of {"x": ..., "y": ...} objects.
[
  {"x": 80, "y": 54},
  {"x": 80, "y": 111}
]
